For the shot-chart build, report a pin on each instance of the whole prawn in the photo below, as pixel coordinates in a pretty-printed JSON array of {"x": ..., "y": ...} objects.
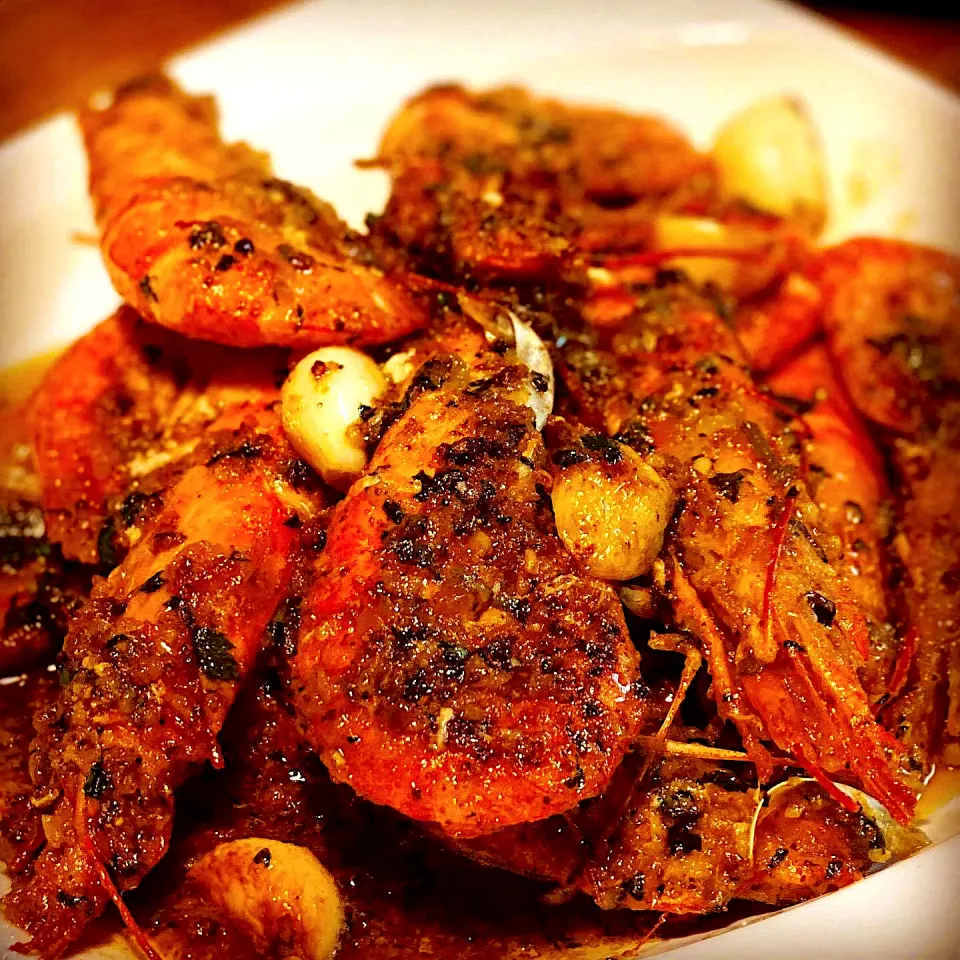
[
  {"x": 199, "y": 236},
  {"x": 151, "y": 666},
  {"x": 892, "y": 317},
  {"x": 452, "y": 663},
  {"x": 749, "y": 563}
]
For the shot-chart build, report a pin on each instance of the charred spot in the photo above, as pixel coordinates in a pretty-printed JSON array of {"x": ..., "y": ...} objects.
[
  {"x": 472, "y": 450},
  {"x": 794, "y": 646},
  {"x": 635, "y": 435},
  {"x": 431, "y": 376},
  {"x": 681, "y": 840},
  {"x": 540, "y": 383},
  {"x": 833, "y": 868},
  {"x": 97, "y": 781},
  {"x": 108, "y": 549},
  {"x": 283, "y": 628},
  {"x": 779, "y": 855},
  {"x": 209, "y": 234},
  {"x": 298, "y": 473},
  {"x": 411, "y": 633},
  {"x": 296, "y": 258},
  {"x": 418, "y": 685},
  {"x": 633, "y": 886},
  {"x": 262, "y": 857},
  {"x": 212, "y": 649},
  {"x": 704, "y": 393},
  {"x": 132, "y": 507},
  {"x": 146, "y": 288},
  {"x": 568, "y": 457},
  {"x": 245, "y": 451},
  {"x": 518, "y": 607},
  {"x": 592, "y": 709},
  {"x": 498, "y": 654},
  {"x": 868, "y": 831},
  {"x": 293, "y": 521},
  {"x": 225, "y": 263},
  {"x": 608, "y": 448},
  {"x": 728, "y": 484},
  {"x": 153, "y": 584},
  {"x": 393, "y": 511},
  {"x": 576, "y": 781},
  {"x": 69, "y": 900},
  {"x": 823, "y": 609},
  {"x": 244, "y": 247},
  {"x": 454, "y": 658},
  {"x": 151, "y": 353},
  {"x": 726, "y": 780},
  {"x": 409, "y": 551}
]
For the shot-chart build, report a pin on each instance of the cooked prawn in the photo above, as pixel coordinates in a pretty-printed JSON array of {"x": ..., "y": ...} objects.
[
  {"x": 199, "y": 236},
  {"x": 123, "y": 403},
  {"x": 152, "y": 664},
  {"x": 452, "y": 663},
  {"x": 777, "y": 620},
  {"x": 892, "y": 316},
  {"x": 847, "y": 477}
]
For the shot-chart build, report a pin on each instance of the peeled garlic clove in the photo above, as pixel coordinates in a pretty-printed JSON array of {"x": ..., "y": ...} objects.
[
  {"x": 279, "y": 892},
  {"x": 320, "y": 403},
  {"x": 612, "y": 516},
  {"x": 533, "y": 354},
  {"x": 769, "y": 156}
]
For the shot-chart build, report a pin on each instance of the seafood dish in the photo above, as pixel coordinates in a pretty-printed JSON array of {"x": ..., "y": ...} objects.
[{"x": 567, "y": 559}]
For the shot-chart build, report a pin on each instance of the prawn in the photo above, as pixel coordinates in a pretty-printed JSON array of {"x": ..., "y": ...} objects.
[
  {"x": 123, "y": 403},
  {"x": 151, "y": 665},
  {"x": 892, "y": 319},
  {"x": 501, "y": 184},
  {"x": 200, "y": 237},
  {"x": 777, "y": 620},
  {"x": 847, "y": 477},
  {"x": 452, "y": 662}
]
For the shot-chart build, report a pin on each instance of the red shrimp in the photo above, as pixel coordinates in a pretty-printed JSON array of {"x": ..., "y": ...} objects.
[
  {"x": 199, "y": 236},
  {"x": 847, "y": 478},
  {"x": 452, "y": 663},
  {"x": 151, "y": 666},
  {"x": 780, "y": 628},
  {"x": 892, "y": 317}
]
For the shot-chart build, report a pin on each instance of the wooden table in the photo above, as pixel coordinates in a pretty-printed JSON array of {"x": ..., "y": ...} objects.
[{"x": 55, "y": 53}]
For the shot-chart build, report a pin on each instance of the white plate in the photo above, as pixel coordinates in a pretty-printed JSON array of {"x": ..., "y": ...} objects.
[{"x": 314, "y": 85}]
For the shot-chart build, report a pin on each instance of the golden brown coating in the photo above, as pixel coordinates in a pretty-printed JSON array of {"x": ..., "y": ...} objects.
[
  {"x": 199, "y": 236},
  {"x": 118, "y": 412},
  {"x": 503, "y": 184}
]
